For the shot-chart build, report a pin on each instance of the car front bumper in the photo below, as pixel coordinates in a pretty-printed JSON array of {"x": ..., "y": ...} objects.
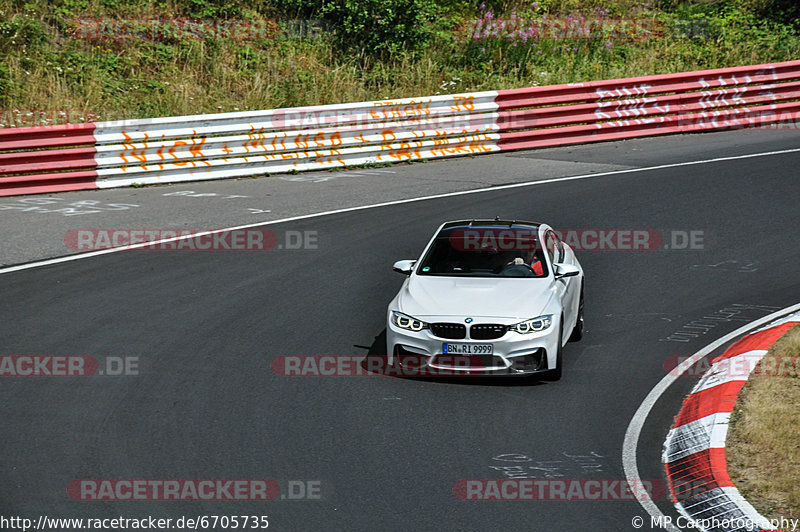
[{"x": 422, "y": 352}]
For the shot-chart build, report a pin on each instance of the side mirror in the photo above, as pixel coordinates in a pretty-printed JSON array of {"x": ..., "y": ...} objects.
[
  {"x": 404, "y": 266},
  {"x": 565, "y": 270}
]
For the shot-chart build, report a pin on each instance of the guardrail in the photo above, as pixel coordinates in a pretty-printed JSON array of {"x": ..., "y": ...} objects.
[{"x": 189, "y": 148}]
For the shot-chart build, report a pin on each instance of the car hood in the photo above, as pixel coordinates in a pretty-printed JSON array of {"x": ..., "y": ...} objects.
[{"x": 428, "y": 296}]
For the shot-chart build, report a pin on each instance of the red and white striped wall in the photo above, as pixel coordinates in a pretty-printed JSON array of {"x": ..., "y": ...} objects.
[
  {"x": 189, "y": 148},
  {"x": 694, "y": 451}
]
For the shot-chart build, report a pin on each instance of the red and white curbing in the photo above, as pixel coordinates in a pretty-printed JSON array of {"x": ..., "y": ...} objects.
[{"x": 694, "y": 451}]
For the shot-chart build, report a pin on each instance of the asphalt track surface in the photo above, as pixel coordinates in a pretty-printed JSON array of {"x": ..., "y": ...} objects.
[{"x": 386, "y": 451}]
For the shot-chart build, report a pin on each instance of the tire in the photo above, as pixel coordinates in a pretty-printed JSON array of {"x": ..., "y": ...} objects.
[
  {"x": 555, "y": 374},
  {"x": 577, "y": 331}
]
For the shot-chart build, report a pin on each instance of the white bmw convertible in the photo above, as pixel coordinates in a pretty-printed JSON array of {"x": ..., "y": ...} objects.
[{"x": 488, "y": 297}]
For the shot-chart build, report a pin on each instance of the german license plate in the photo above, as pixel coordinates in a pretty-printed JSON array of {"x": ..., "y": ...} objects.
[{"x": 468, "y": 349}]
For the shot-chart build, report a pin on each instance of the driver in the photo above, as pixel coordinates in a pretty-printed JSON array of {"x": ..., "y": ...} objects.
[{"x": 535, "y": 265}]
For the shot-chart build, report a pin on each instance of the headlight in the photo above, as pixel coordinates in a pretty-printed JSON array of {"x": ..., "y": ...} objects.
[
  {"x": 407, "y": 322},
  {"x": 533, "y": 325}
]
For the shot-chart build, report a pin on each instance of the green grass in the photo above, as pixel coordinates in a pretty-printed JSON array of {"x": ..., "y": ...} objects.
[
  {"x": 43, "y": 68},
  {"x": 763, "y": 438}
]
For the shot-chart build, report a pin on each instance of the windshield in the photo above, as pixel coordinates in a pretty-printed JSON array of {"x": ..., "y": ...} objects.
[{"x": 485, "y": 252}]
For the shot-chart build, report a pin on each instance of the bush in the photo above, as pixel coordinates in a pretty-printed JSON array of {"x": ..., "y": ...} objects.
[
  {"x": 4, "y": 83},
  {"x": 22, "y": 31},
  {"x": 784, "y": 11},
  {"x": 383, "y": 27}
]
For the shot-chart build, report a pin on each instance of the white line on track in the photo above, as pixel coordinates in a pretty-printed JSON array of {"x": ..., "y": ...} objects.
[
  {"x": 631, "y": 441},
  {"x": 68, "y": 258}
]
